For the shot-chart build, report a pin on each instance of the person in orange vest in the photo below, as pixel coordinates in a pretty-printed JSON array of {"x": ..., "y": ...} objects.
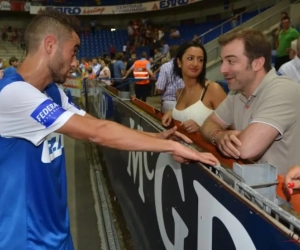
[{"x": 141, "y": 70}]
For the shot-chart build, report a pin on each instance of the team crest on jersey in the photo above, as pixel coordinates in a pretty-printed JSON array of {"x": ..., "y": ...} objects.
[{"x": 52, "y": 147}]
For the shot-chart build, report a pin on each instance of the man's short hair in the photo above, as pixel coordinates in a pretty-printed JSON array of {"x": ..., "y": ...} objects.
[
  {"x": 12, "y": 59},
  {"x": 144, "y": 54},
  {"x": 119, "y": 56},
  {"x": 256, "y": 44},
  {"x": 286, "y": 18},
  {"x": 49, "y": 21}
]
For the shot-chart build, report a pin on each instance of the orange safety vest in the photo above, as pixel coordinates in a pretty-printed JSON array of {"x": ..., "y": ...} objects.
[{"x": 140, "y": 71}]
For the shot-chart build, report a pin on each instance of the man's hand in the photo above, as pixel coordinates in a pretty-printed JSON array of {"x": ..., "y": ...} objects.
[
  {"x": 174, "y": 135},
  {"x": 190, "y": 126},
  {"x": 227, "y": 142},
  {"x": 184, "y": 154},
  {"x": 292, "y": 179}
]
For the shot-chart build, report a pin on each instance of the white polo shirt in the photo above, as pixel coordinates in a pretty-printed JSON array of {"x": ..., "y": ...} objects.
[{"x": 291, "y": 69}]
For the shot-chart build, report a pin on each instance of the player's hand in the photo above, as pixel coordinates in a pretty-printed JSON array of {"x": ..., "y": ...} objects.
[{"x": 174, "y": 135}]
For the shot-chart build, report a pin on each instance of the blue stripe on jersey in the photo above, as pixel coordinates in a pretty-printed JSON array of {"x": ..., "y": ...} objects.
[
  {"x": 33, "y": 200},
  {"x": 47, "y": 113}
]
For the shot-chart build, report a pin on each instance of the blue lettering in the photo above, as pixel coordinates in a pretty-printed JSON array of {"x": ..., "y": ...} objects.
[
  {"x": 163, "y": 4},
  {"x": 67, "y": 10},
  {"x": 54, "y": 145}
]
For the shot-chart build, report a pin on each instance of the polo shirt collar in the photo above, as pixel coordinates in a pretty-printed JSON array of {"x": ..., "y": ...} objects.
[{"x": 263, "y": 84}]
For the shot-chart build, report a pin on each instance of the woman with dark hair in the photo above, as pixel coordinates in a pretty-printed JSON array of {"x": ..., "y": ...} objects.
[{"x": 200, "y": 97}]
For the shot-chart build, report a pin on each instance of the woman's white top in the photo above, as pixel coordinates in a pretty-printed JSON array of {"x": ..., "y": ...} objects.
[
  {"x": 197, "y": 111},
  {"x": 102, "y": 75}
]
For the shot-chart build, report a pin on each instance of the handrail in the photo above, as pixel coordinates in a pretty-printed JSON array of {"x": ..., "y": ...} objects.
[
  {"x": 261, "y": 21},
  {"x": 227, "y": 21}
]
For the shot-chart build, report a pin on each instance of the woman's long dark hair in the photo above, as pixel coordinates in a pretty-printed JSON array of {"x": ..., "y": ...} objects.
[{"x": 181, "y": 50}]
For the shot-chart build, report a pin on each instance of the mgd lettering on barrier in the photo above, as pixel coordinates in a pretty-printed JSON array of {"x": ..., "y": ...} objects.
[
  {"x": 172, "y": 3},
  {"x": 139, "y": 161},
  {"x": 208, "y": 208},
  {"x": 181, "y": 230}
]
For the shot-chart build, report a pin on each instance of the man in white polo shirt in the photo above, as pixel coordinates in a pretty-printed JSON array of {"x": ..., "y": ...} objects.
[{"x": 292, "y": 68}]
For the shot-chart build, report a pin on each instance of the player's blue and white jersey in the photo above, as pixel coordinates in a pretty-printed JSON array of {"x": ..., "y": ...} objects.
[{"x": 33, "y": 196}]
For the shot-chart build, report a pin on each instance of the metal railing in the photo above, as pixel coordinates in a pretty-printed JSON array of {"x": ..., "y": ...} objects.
[
  {"x": 240, "y": 18},
  {"x": 263, "y": 25}
]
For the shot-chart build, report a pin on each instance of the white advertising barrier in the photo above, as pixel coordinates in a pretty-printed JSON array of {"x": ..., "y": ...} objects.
[{"x": 118, "y": 9}]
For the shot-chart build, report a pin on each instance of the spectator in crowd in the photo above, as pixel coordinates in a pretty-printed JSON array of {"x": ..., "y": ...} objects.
[
  {"x": 157, "y": 55},
  {"x": 111, "y": 50},
  {"x": 96, "y": 66},
  {"x": 197, "y": 39},
  {"x": 89, "y": 74},
  {"x": 199, "y": 97},
  {"x": 130, "y": 63},
  {"x": 174, "y": 33},
  {"x": 282, "y": 15},
  {"x": 234, "y": 16},
  {"x": 161, "y": 34},
  {"x": 263, "y": 107},
  {"x": 141, "y": 70},
  {"x": 119, "y": 72},
  {"x": 285, "y": 37},
  {"x": 165, "y": 49},
  {"x": 292, "y": 68},
  {"x": 93, "y": 26},
  {"x": 1, "y": 63},
  {"x": 13, "y": 65}
]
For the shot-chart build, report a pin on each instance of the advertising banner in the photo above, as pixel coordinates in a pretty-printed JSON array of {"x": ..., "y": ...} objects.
[
  {"x": 14, "y": 6},
  {"x": 165, "y": 4},
  {"x": 118, "y": 9},
  {"x": 167, "y": 205}
]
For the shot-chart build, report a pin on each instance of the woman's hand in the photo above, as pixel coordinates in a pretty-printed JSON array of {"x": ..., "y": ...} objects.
[
  {"x": 292, "y": 179},
  {"x": 190, "y": 126},
  {"x": 167, "y": 119}
]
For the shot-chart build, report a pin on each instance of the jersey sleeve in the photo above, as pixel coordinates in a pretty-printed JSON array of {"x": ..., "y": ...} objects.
[
  {"x": 68, "y": 105},
  {"x": 27, "y": 113}
]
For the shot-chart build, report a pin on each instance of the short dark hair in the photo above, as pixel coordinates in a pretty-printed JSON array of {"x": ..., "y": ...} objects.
[
  {"x": 181, "y": 50},
  {"x": 12, "y": 59},
  {"x": 46, "y": 21},
  {"x": 144, "y": 54},
  {"x": 285, "y": 18},
  {"x": 119, "y": 56},
  {"x": 106, "y": 61},
  {"x": 256, "y": 44}
]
